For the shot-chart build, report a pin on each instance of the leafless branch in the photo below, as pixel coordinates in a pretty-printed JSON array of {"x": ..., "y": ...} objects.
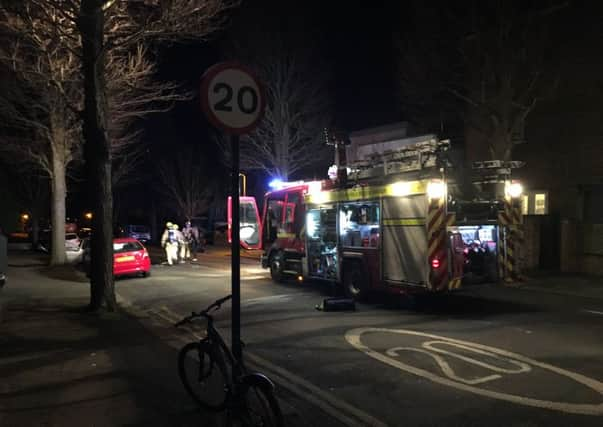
[
  {"x": 184, "y": 184},
  {"x": 289, "y": 137}
]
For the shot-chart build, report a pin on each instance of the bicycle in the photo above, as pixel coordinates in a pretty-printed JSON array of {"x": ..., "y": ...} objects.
[{"x": 217, "y": 381}]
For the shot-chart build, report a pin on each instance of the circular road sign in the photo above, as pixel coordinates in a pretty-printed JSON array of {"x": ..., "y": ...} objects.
[{"x": 232, "y": 97}]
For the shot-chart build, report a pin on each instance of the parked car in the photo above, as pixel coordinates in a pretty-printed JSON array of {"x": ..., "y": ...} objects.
[
  {"x": 141, "y": 233},
  {"x": 71, "y": 241},
  {"x": 3, "y": 259},
  {"x": 84, "y": 232},
  {"x": 130, "y": 257}
]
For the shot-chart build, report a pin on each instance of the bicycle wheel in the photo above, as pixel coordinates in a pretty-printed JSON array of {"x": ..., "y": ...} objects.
[
  {"x": 259, "y": 407},
  {"x": 203, "y": 374}
]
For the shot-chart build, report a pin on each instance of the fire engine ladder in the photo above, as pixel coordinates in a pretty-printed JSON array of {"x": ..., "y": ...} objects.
[
  {"x": 494, "y": 171},
  {"x": 416, "y": 157}
]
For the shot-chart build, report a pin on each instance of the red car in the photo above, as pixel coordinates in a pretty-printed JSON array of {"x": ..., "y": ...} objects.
[{"x": 130, "y": 257}]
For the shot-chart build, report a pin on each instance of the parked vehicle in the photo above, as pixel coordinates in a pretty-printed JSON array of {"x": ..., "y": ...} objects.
[
  {"x": 389, "y": 219},
  {"x": 72, "y": 242},
  {"x": 130, "y": 257},
  {"x": 3, "y": 259},
  {"x": 84, "y": 232},
  {"x": 141, "y": 233}
]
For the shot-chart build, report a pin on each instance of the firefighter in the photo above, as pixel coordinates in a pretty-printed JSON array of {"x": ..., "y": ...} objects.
[
  {"x": 191, "y": 238},
  {"x": 458, "y": 254},
  {"x": 181, "y": 245},
  {"x": 169, "y": 242}
]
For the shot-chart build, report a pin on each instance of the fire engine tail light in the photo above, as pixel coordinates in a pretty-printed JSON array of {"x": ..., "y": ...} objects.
[{"x": 435, "y": 263}]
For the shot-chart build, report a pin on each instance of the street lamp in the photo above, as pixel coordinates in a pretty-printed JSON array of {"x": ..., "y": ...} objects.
[
  {"x": 244, "y": 182},
  {"x": 24, "y": 217},
  {"x": 88, "y": 215}
]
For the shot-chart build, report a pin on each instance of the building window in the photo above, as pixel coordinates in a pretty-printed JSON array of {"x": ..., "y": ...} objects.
[
  {"x": 525, "y": 204},
  {"x": 540, "y": 204}
]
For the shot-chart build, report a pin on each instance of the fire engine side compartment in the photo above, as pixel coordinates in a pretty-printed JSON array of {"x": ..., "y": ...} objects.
[{"x": 404, "y": 255}]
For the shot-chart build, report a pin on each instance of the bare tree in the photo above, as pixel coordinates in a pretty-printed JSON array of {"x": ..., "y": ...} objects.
[
  {"x": 97, "y": 21},
  {"x": 290, "y": 137},
  {"x": 49, "y": 42},
  {"x": 488, "y": 58},
  {"x": 184, "y": 183},
  {"x": 42, "y": 126},
  {"x": 42, "y": 108}
]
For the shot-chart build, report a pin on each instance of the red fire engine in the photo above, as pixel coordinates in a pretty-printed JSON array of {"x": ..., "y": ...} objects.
[{"x": 392, "y": 225}]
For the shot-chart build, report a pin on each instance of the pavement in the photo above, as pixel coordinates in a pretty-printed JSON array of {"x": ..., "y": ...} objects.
[
  {"x": 62, "y": 366},
  {"x": 564, "y": 284}
]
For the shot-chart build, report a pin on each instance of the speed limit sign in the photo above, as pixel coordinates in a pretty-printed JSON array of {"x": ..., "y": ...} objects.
[
  {"x": 232, "y": 98},
  {"x": 233, "y": 101}
]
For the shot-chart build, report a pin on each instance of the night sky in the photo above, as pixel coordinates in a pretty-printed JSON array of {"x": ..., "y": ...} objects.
[{"x": 354, "y": 42}]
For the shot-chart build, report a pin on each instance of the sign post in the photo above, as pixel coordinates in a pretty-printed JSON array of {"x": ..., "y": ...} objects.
[{"x": 233, "y": 101}]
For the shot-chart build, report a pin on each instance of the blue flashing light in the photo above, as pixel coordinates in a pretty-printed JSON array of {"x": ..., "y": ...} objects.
[{"x": 276, "y": 183}]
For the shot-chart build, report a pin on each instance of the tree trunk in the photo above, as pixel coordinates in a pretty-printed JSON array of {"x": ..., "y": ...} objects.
[
  {"x": 35, "y": 230},
  {"x": 501, "y": 145},
  {"x": 59, "y": 192},
  {"x": 154, "y": 233},
  {"x": 97, "y": 152}
]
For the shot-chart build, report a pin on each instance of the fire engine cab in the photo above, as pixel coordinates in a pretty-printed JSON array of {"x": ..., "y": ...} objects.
[{"x": 387, "y": 220}]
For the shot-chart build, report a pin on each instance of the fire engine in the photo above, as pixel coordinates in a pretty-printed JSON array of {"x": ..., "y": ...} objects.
[{"x": 389, "y": 219}]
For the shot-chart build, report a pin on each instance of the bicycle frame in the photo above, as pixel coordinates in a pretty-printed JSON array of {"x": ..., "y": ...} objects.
[
  {"x": 240, "y": 376},
  {"x": 214, "y": 338},
  {"x": 238, "y": 382}
]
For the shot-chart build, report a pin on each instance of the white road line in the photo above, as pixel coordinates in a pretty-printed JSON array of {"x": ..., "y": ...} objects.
[
  {"x": 252, "y": 277},
  {"x": 268, "y": 299},
  {"x": 337, "y": 408},
  {"x": 340, "y": 410},
  {"x": 600, "y": 313},
  {"x": 354, "y": 338}
]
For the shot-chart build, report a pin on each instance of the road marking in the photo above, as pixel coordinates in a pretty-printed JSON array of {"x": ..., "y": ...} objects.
[
  {"x": 268, "y": 299},
  {"x": 600, "y": 313},
  {"x": 429, "y": 350},
  {"x": 317, "y": 396},
  {"x": 354, "y": 338},
  {"x": 337, "y": 408},
  {"x": 252, "y": 277}
]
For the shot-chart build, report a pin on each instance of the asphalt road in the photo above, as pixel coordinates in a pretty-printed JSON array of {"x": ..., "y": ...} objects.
[{"x": 489, "y": 356}]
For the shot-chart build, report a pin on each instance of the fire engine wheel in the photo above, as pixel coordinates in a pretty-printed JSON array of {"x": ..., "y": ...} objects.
[
  {"x": 354, "y": 281},
  {"x": 276, "y": 267}
]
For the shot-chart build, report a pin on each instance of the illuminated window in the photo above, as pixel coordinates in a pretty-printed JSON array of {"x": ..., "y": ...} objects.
[
  {"x": 525, "y": 204},
  {"x": 540, "y": 204}
]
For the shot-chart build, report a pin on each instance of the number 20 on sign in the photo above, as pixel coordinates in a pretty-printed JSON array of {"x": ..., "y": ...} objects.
[{"x": 232, "y": 98}]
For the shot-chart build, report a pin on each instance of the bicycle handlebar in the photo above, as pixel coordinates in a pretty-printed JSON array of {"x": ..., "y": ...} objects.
[{"x": 216, "y": 304}]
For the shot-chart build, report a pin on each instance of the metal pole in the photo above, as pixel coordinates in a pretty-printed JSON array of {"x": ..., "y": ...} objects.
[
  {"x": 235, "y": 251},
  {"x": 244, "y": 182}
]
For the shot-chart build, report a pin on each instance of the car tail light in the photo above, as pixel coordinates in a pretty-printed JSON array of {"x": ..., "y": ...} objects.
[
  {"x": 145, "y": 254},
  {"x": 435, "y": 263}
]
